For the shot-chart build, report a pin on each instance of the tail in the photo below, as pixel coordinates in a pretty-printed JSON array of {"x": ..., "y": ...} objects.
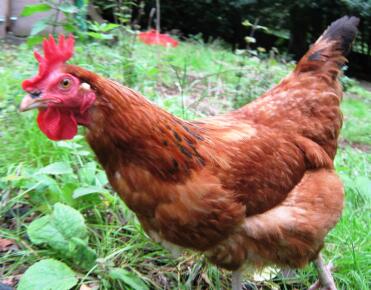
[{"x": 327, "y": 54}]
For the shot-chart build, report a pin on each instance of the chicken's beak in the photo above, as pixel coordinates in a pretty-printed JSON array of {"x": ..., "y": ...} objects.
[{"x": 28, "y": 103}]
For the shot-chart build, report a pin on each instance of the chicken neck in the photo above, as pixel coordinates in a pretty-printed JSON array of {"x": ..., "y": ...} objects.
[{"x": 125, "y": 128}]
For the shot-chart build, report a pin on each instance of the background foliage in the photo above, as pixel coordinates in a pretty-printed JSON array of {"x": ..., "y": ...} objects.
[{"x": 293, "y": 25}]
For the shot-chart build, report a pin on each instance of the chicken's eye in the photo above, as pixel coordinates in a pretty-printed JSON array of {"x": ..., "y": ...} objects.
[{"x": 65, "y": 83}]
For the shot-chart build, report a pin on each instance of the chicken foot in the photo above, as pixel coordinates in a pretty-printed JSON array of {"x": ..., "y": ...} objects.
[{"x": 325, "y": 281}]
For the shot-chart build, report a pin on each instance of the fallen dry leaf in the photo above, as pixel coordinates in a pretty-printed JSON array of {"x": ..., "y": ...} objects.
[
  {"x": 11, "y": 281},
  {"x": 8, "y": 282},
  {"x": 90, "y": 287},
  {"x": 5, "y": 244}
]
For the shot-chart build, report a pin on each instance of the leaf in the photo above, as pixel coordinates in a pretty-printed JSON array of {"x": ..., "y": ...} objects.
[
  {"x": 5, "y": 244},
  {"x": 42, "y": 231},
  {"x": 261, "y": 27},
  {"x": 56, "y": 169},
  {"x": 87, "y": 173},
  {"x": 47, "y": 181},
  {"x": 250, "y": 39},
  {"x": 64, "y": 231},
  {"x": 265, "y": 274},
  {"x": 129, "y": 278},
  {"x": 68, "y": 8},
  {"x": 247, "y": 23},
  {"x": 48, "y": 274},
  {"x": 101, "y": 178},
  {"x": 10, "y": 282},
  {"x": 69, "y": 27},
  {"x": 69, "y": 221},
  {"x": 82, "y": 191},
  {"x": 35, "y": 8},
  {"x": 82, "y": 253},
  {"x": 34, "y": 40},
  {"x": 82, "y": 153},
  {"x": 97, "y": 35},
  {"x": 105, "y": 27},
  {"x": 39, "y": 26},
  {"x": 57, "y": 229},
  {"x": 68, "y": 145}
]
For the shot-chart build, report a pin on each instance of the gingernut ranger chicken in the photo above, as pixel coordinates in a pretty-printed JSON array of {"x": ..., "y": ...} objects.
[{"x": 254, "y": 186}]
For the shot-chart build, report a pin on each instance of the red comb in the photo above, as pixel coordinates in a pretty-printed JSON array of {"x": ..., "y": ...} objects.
[{"x": 54, "y": 55}]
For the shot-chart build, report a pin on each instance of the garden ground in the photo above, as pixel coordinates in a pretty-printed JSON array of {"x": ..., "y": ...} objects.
[{"x": 40, "y": 178}]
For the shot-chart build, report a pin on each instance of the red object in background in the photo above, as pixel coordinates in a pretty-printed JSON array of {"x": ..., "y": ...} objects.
[{"x": 154, "y": 37}]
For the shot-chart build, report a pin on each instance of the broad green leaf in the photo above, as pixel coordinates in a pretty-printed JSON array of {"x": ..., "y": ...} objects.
[
  {"x": 87, "y": 173},
  {"x": 82, "y": 191},
  {"x": 56, "y": 168},
  {"x": 69, "y": 221},
  {"x": 48, "y": 274},
  {"x": 39, "y": 26},
  {"x": 97, "y": 35},
  {"x": 82, "y": 253},
  {"x": 64, "y": 231},
  {"x": 36, "y": 227},
  {"x": 102, "y": 178},
  {"x": 57, "y": 229},
  {"x": 43, "y": 231},
  {"x": 35, "y": 8},
  {"x": 47, "y": 180},
  {"x": 129, "y": 278}
]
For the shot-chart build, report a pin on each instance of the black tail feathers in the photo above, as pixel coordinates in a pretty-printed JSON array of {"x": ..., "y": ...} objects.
[{"x": 343, "y": 31}]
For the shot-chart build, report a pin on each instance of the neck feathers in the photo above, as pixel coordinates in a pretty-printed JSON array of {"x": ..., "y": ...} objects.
[{"x": 128, "y": 129}]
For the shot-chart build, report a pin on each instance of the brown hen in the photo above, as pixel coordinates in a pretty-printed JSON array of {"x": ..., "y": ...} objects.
[{"x": 252, "y": 187}]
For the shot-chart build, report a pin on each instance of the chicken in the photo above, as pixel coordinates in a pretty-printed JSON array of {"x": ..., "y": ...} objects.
[{"x": 255, "y": 186}]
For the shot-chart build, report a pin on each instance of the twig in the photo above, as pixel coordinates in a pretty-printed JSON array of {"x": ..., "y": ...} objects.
[
  {"x": 54, "y": 24},
  {"x": 150, "y": 17},
  {"x": 253, "y": 29},
  {"x": 158, "y": 27},
  {"x": 93, "y": 13}
]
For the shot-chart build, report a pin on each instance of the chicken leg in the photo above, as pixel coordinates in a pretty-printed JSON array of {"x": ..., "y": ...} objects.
[
  {"x": 236, "y": 280},
  {"x": 326, "y": 281}
]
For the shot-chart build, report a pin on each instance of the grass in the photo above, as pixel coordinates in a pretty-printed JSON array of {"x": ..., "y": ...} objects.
[{"x": 193, "y": 80}]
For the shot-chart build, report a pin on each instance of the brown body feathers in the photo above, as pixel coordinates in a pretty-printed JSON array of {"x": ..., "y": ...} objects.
[{"x": 256, "y": 185}]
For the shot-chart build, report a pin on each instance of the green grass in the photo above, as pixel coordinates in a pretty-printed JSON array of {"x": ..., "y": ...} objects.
[
  {"x": 192, "y": 80},
  {"x": 355, "y": 128}
]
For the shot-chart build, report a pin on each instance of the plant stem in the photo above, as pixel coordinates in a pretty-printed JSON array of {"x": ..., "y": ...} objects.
[
  {"x": 158, "y": 27},
  {"x": 54, "y": 24}
]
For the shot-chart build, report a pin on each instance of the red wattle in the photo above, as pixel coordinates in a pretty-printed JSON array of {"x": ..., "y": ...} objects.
[{"x": 57, "y": 124}]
